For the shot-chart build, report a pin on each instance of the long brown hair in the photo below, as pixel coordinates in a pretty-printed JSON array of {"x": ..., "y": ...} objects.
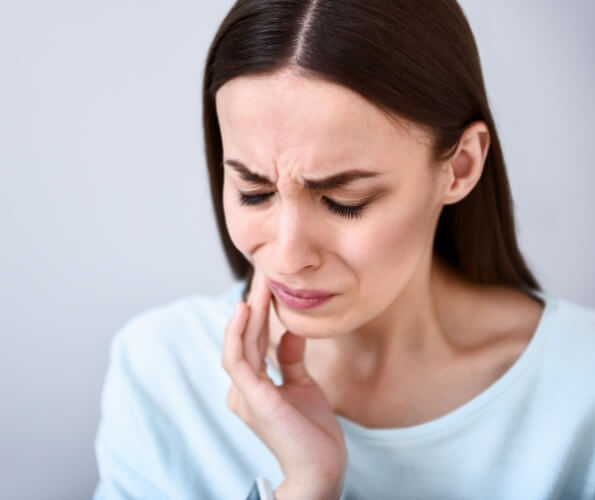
[{"x": 413, "y": 58}]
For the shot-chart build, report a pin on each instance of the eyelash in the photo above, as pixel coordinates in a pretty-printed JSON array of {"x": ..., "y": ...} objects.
[{"x": 335, "y": 208}]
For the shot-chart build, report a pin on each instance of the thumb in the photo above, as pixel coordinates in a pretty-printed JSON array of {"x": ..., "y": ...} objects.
[{"x": 290, "y": 355}]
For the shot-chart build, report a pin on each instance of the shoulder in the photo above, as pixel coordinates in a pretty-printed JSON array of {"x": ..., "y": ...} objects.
[
  {"x": 163, "y": 400},
  {"x": 579, "y": 317},
  {"x": 554, "y": 341},
  {"x": 172, "y": 328},
  {"x": 163, "y": 355},
  {"x": 536, "y": 317},
  {"x": 571, "y": 330},
  {"x": 565, "y": 351}
]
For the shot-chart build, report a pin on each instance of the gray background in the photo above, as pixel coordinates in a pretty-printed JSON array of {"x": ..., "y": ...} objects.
[{"x": 104, "y": 206}]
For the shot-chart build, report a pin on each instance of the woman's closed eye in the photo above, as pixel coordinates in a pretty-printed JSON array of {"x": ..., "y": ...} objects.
[{"x": 348, "y": 211}]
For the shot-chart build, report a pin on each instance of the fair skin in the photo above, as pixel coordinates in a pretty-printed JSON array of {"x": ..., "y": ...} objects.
[{"x": 396, "y": 345}]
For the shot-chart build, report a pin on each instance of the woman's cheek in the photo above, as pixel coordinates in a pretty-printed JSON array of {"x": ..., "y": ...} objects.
[
  {"x": 387, "y": 250},
  {"x": 233, "y": 215},
  {"x": 236, "y": 229},
  {"x": 243, "y": 228}
]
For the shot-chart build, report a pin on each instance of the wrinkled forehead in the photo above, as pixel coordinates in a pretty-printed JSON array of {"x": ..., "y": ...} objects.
[{"x": 287, "y": 118}]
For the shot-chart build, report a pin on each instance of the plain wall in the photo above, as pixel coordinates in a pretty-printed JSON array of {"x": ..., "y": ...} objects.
[{"x": 104, "y": 203}]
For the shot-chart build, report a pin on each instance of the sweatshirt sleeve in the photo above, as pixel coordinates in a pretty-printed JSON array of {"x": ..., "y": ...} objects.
[
  {"x": 127, "y": 447},
  {"x": 261, "y": 490}
]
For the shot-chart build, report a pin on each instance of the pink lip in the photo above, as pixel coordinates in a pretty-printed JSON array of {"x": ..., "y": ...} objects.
[{"x": 300, "y": 299}]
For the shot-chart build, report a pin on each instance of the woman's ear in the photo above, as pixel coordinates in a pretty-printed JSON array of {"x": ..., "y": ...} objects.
[{"x": 466, "y": 165}]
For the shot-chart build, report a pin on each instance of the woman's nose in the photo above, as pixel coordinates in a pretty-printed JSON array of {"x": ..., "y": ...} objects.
[{"x": 296, "y": 243}]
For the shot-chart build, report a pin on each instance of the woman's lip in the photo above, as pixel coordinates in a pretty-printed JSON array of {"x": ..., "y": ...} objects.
[
  {"x": 302, "y": 294},
  {"x": 297, "y": 302}
]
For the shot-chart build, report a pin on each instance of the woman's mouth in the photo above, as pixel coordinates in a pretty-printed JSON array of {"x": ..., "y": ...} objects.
[{"x": 299, "y": 299}]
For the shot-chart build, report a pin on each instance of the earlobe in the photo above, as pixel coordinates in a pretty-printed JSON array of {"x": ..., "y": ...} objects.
[{"x": 466, "y": 165}]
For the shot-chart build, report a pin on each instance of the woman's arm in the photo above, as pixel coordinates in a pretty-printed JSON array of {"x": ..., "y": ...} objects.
[{"x": 124, "y": 448}]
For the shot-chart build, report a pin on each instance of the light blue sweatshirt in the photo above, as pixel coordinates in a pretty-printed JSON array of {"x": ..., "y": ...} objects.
[{"x": 166, "y": 431}]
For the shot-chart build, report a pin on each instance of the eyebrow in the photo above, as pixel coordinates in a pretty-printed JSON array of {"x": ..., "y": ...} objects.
[{"x": 332, "y": 182}]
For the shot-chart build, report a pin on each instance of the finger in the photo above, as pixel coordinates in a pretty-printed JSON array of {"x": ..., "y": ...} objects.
[
  {"x": 256, "y": 336},
  {"x": 242, "y": 374},
  {"x": 236, "y": 325},
  {"x": 290, "y": 355}
]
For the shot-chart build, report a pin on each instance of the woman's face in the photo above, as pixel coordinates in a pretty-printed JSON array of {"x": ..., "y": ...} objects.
[{"x": 288, "y": 130}]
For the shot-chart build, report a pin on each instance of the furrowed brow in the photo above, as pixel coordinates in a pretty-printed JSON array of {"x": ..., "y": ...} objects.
[
  {"x": 246, "y": 174},
  {"x": 328, "y": 183}
]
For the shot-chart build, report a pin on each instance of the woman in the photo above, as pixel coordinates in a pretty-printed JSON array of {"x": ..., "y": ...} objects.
[{"x": 385, "y": 338}]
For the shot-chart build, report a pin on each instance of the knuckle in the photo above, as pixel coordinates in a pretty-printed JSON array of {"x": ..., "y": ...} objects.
[{"x": 236, "y": 404}]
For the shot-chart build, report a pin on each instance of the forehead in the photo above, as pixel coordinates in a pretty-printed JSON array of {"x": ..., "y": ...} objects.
[{"x": 288, "y": 117}]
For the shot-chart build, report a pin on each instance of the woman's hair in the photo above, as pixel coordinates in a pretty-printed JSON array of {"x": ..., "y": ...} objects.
[{"x": 416, "y": 59}]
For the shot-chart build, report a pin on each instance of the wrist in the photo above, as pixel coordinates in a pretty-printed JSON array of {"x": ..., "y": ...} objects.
[{"x": 292, "y": 491}]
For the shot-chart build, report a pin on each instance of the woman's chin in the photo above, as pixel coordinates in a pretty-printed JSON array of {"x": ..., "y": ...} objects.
[
  {"x": 309, "y": 327},
  {"x": 301, "y": 323}
]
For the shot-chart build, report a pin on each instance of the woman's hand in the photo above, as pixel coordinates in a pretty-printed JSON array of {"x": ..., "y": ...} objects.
[{"x": 294, "y": 420}]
